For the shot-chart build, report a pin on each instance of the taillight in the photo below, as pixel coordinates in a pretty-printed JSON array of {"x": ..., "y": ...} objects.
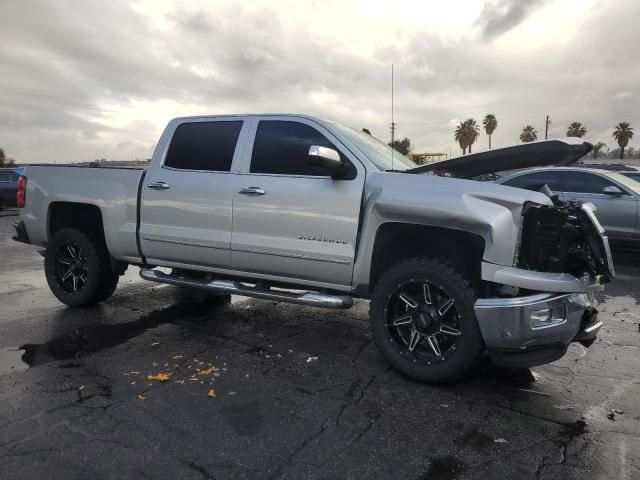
[{"x": 21, "y": 196}]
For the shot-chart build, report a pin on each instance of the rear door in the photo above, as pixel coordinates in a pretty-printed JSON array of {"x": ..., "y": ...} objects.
[
  {"x": 187, "y": 196},
  {"x": 616, "y": 213},
  {"x": 288, "y": 220}
]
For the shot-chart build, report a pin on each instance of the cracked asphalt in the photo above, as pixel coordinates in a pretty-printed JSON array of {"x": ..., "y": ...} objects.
[{"x": 299, "y": 392}]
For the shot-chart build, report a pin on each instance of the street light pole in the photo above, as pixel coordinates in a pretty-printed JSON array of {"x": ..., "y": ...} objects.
[{"x": 546, "y": 128}]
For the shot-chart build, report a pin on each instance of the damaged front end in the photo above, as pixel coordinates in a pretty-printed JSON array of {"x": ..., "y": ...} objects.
[
  {"x": 563, "y": 257},
  {"x": 564, "y": 238}
]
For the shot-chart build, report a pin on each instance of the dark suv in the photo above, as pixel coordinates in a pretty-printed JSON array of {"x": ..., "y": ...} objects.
[{"x": 8, "y": 187}]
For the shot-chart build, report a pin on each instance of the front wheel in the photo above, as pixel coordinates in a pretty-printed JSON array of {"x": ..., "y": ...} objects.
[
  {"x": 423, "y": 321},
  {"x": 78, "y": 268}
]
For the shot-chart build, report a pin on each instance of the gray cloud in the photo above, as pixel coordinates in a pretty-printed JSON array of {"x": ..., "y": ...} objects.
[
  {"x": 500, "y": 16},
  {"x": 64, "y": 64}
]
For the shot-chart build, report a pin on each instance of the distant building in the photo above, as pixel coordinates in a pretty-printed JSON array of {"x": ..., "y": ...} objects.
[{"x": 427, "y": 157}]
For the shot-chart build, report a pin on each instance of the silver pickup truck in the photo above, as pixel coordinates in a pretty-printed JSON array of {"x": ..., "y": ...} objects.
[{"x": 298, "y": 209}]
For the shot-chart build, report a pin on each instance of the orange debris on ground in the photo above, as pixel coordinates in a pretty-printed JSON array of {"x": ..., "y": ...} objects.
[
  {"x": 160, "y": 377},
  {"x": 208, "y": 371}
]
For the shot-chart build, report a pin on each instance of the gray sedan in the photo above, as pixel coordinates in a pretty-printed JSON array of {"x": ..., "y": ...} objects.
[{"x": 616, "y": 197}]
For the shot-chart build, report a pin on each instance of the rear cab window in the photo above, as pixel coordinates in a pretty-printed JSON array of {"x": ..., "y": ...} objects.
[{"x": 204, "y": 146}]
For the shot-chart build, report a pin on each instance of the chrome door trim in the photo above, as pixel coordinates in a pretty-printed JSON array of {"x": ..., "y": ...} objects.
[
  {"x": 182, "y": 242},
  {"x": 290, "y": 255}
]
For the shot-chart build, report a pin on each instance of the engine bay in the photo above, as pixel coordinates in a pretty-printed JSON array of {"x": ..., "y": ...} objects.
[{"x": 564, "y": 238}]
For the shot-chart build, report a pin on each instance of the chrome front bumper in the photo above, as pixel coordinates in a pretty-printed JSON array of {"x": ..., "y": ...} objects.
[{"x": 518, "y": 323}]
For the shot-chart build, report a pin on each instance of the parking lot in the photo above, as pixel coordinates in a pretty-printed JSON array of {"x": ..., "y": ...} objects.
[{"x": 294, "y": 392}]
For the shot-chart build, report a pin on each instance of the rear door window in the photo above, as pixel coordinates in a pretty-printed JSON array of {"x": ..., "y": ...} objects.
[
  {"x": 204, "y": 146},
  {"x": 535, "y": 181}
]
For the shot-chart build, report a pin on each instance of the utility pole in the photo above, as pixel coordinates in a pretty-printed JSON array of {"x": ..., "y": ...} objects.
[
  {"x": 546, "y": 128},
  {"x": 393, "y": 123}
]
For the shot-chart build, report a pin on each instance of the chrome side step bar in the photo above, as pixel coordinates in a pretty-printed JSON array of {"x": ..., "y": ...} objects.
[{"x": 313, "y": 299}]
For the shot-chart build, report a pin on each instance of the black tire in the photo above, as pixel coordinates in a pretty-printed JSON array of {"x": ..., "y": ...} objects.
[
  {"x": 400, "y": 322},
  {"x": 78, "y": 268},
  {"x": 108, "y": 285}
]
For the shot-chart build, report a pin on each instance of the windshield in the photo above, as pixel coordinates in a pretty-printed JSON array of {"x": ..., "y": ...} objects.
[
  {"x": 379, "y": 153},
  {"x": 632, "y": 185}
]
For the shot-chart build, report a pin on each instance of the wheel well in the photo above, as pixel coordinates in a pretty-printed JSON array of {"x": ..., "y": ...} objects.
[
  {"x": 398, "y": 241},
  {"x": 77, "y": 215},
  {"x": 82, "y": 216}
]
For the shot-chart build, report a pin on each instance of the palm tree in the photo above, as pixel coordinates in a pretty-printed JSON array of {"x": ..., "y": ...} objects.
[
  {"x": 598, "y": 149},
  {"x": 490, "y": 123},
  {"x": 576, "y": 129},
  {"x": 529, "y": 134},
  {"x": 461, "y": 137},
  {"x": 472, "y": 131},
  {"x": 466, "y": 133},
  {"x": 622, "y": 134}
]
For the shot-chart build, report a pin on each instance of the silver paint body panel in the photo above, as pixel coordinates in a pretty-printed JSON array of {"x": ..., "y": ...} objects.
[
  {"x": 288, "y": 230},
  {"x": 191, "y": 221},
  {"x": 112, "y": 190}
]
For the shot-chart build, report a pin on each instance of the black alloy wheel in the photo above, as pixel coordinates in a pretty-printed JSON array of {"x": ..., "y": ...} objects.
[
  {"x": 78, "y": 268},
  {"x": 423, "y": 321},
  {"x": 71, "y": 267}
]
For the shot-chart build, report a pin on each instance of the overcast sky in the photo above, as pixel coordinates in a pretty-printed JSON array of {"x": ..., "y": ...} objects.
[{"x": 89, "y": 79}]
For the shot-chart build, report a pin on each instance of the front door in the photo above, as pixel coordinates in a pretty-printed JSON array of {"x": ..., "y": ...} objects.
[
  {"x": 187, "y": 196},
  {"x": 289, "y": 220}
]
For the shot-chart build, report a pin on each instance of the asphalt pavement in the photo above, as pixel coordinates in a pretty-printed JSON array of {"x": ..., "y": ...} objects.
[{"x": 259, "y": 389}]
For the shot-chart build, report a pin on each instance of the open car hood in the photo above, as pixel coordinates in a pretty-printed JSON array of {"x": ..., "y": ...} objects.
[{"x": 535, "y": 154}]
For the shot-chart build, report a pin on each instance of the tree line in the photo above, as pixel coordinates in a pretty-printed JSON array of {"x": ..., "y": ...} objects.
[
  {"x": 4, "y": 161},
  {"x": 467, "y": 132}
]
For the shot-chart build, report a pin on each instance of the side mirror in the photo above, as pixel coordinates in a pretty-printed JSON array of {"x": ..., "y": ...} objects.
[
  {"x": 611, "y": 190},
  {"x": 326, "y": 159}
]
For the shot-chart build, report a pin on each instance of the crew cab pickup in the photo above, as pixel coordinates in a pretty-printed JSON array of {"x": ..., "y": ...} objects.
[{"x": 308, "y": 211}]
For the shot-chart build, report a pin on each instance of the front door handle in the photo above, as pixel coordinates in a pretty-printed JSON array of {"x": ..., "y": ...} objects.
[
  {"x": 252, "y": 191},
  {"x": 159, "y": 185}
]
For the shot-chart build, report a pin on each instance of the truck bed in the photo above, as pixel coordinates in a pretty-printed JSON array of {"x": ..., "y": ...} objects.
[{"x": 113, "y": 190}]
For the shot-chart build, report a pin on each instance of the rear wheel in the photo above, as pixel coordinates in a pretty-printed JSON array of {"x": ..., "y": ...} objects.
[
  {"x": 423, "y": 320},
  {"x": 78, "y": 268}
]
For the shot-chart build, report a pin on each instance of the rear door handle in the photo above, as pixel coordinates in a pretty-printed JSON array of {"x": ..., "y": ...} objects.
[
  {"x": 159, "y": 185},
  {"x": 252, "y": 191}
]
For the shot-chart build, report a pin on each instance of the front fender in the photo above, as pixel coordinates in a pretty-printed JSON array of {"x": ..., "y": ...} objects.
[{"x": 493, "y": 212}]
